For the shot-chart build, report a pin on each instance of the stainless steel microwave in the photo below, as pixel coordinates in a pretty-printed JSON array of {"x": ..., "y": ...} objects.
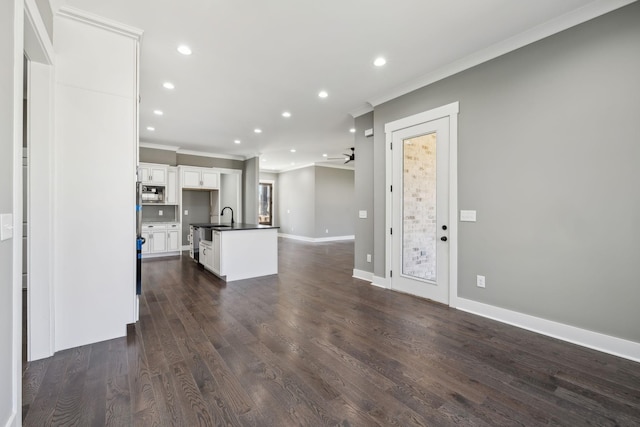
[{"x": 153, "y": 194}]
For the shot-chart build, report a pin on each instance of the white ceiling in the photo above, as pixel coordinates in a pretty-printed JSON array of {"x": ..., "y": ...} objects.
[{"x": 254, "y": 59}]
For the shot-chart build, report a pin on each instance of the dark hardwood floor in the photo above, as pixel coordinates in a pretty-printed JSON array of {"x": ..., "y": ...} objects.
[{"x": 313, "y": 346}]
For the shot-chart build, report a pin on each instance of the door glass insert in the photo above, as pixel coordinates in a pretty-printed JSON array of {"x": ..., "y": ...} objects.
[{"x": 419, "y": 225}]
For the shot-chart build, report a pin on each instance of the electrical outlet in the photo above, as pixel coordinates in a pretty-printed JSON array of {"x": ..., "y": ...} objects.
[
  {"x": 186, "y": 212},
  {"x": 368, "y": 257},
  {"x": 160, "y": 212},
  {"x": 480, "y": 281}
]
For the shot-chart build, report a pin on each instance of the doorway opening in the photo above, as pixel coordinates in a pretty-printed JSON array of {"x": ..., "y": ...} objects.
[
  {"x": 421, "y": 256},
  {"x": 265, "y": 203}
]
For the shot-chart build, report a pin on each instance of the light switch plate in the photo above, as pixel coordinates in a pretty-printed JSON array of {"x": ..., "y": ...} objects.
[
  {"x": 468, "y": 216},
  {"x": 362, "y": 214},
  {"x": 6, "y": 226},
  {"x": 481, "y": 281}
]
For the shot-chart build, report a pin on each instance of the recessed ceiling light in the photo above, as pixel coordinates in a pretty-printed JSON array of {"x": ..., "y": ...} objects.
[
  {"x": 324, "y": 155},
  {"x": 158, "y": 112},
  {"x": 257, "y": 130},
  {"x": 236, "y": 141},
  {"x": 168, "y": 85},
  {"x": 293, "y": 163},
  {"x": 286, "y": 114},
  {"x": 293, "y": 150},
  {"x": 323, "y": 94},
  {"x": 151, "y": 128},
  {"x": 379, "y": 62},
  {"x": 352, "y": 130},
  {"x": 184, "y": 49}
]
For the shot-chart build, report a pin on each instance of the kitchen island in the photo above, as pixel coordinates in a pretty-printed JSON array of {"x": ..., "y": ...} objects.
[{"x": 237, "y": 251}]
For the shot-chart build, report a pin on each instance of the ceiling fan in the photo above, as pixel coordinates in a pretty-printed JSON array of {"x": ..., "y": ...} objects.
[{"x": 346, "y": 157}]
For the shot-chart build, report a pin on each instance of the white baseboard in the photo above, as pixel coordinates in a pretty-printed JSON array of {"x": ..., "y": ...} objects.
[
  {"x": 363, "y": 275},
  {"x": 186, "y": 247},
  {"x": 161, "y": 254},
  {"x": 381, "y": 282},
  {"x": 594, "y": 340},
  {"x": 316, "y": 240}
]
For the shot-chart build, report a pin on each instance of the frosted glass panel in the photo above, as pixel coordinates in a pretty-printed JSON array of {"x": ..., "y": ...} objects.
[{"x": 419, "y": 207}]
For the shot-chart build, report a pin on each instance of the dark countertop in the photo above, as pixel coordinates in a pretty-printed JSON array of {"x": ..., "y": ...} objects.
[{"x": 234, "y": 227}]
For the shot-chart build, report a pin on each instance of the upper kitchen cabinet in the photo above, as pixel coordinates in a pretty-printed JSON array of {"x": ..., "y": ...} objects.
[
  {"x": 199, "y": 178},
  {"x": 171, "y": 197},
  {"x": 153, "y": 174}
]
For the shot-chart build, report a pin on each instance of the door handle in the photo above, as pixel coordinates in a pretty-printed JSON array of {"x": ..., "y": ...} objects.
[{"x": 443, "y": 238}]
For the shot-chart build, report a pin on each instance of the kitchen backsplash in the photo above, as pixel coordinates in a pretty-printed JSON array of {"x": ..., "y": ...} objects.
[{"x": 152, "y": 213}]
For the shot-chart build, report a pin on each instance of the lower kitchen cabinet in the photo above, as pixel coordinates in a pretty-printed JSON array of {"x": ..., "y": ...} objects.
[
  {"x": 173, "y": 240},
  {"x": 161, "y": 239}
]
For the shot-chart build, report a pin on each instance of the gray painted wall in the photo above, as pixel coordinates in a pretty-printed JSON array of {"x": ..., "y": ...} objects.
[
  {"x": 548, "y": 156},
  {"x": 209, "y": 162},
  {"x": 198, "y": 203},
  {"x": 171, "y": 158},
  {"x": 6, "y": 206},
  {"x": 334, "y": 202},
  {"x": 151, "y": 213},
  {"x": 153, "y": 155},
  {"x": 296, "y": 202},
  {"x": 229, "y": 187},
  {"x": 250, "y": 175},
  {"x": 363, "y": 178}
]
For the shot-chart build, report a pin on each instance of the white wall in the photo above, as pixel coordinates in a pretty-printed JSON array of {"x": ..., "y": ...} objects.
[
  {"x": 96, "y": 157},
  {"x": 10, "y": 202}
]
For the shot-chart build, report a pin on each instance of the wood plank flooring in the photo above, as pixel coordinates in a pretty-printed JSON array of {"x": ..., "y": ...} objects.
[{"x": 313, "y": 346}]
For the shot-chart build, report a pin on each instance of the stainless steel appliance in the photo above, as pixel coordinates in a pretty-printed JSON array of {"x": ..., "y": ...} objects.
[
  {"x": 139, "y": 239},
  {"x": 153, "y": 194},
  {"x": 196, "y": 234}
]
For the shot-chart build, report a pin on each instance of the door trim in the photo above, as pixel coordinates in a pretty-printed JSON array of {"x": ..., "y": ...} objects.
[{"x": 450, "y": 111}]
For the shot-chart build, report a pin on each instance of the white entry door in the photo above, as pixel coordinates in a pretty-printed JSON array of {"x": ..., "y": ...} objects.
[{"x": 420, "y": 209}]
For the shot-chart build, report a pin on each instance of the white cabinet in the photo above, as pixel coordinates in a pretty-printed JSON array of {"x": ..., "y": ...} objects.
[
  {"x": 201, "y": 178},
  {"x": 206, "y": 254},
  {"x": 158, "y": 241},
  {"x": 146, "y": 245},
  {"x": 153, "y": 174},
  {"x": 173, "y": 240},
  {"x": 215, "y": 252},
  {"x": 161, "y": 239},
  {"x": 171, "y": 192}
]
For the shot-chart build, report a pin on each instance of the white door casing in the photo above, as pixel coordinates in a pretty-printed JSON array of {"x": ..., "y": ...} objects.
[{"x": 443, "y": 122}]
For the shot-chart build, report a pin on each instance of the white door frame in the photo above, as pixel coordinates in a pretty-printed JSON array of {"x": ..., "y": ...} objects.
[{"x": 450, "y": 111}]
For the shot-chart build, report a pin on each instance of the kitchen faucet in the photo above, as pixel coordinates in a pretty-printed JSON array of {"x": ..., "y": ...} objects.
[{"x": 222, "y": 213}]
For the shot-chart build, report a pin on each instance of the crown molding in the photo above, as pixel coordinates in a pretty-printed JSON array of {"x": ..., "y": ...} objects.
[
  {"x": 100, "y": 22},
  {"x": 561, "y": 23},
  {"x": 158, "y": 146},
  {"x": 363, "y": 109},
  {"x": 205, "y": 154},
  {"x": 329, "y": 165}
]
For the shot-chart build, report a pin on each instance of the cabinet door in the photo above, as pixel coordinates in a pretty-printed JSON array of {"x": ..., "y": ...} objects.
[
  {"x": 159, "y": 175},
  {"x": 210, "y": 179},
  {"x": 146, "y": 247},
  {"x": 144, "y": 174},
  {"x": 216, "y": 252},
  {"x": 172, "y": 240},
  {"x": 172, "y": 187},
  {"x": 191, "y": 178},
  {"x": 158, "y": 241}
]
